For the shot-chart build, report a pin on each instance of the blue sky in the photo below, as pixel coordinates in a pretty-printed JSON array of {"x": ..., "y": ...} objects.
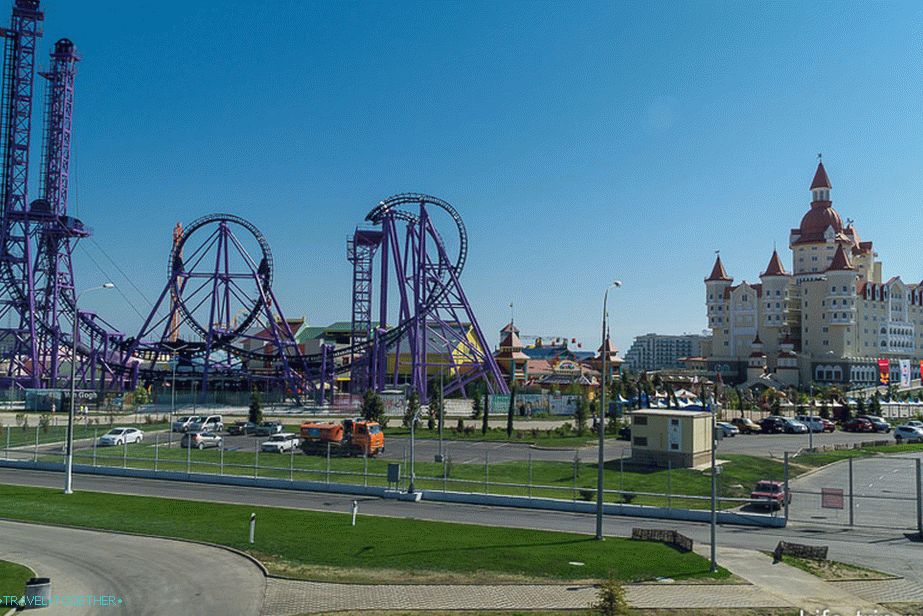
[{"x": 580, "y": 141}]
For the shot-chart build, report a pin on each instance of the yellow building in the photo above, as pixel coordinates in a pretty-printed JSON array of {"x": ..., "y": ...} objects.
[{"x": 670, "y": 437}]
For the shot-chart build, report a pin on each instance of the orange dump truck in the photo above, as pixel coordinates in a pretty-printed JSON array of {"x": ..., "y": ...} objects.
[{"x": 352, "y": 437}]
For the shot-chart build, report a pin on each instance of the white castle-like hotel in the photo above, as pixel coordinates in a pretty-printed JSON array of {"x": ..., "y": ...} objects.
[{"x": 827, "y": 321}]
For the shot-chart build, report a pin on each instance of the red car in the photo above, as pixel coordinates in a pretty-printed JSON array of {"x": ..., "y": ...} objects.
[
  {"x": 829, "y": 426},
  {"x": 770, "y": 494},
  {"x": 857, "y": 424}
]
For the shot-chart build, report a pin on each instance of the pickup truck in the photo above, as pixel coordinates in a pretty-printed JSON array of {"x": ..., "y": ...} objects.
[{"x": 770, "y": 494}]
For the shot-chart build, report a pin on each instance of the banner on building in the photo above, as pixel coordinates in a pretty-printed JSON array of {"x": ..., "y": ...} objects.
[
  {"x": 905, "y": 372},
  {"x": 884, "y": 372}
]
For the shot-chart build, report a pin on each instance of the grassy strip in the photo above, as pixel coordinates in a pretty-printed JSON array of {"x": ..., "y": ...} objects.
[
  {"x": 375, "y": 543},
  {"x": 12, "y": 580},
  {"x": 54, "y": 434},
  {"x": 833, "y": 571},
  {"x": 631, "y": 612},
  {"x": 823, "y": 458},
  {"x": 564, "y": 480},
  {"x": 544, "y": 438}
]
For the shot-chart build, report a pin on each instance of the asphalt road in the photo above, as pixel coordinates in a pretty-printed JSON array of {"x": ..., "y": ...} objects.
[
  {"x": 775, "y": 445},
  {"x": 885, "y": 549},
  {"x": 883, "y": 488},
  {"x": 150, "y": 576}
]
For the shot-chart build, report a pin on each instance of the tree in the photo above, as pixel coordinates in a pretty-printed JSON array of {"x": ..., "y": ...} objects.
[
  {"x": 860, "y": 405},
  {"x": 436, "y": 410},
  {"x": 580, "y": 415},
  {"x": 486, "y": 412},
  {"x": 875, "y": 405},
  {"x": 373, "y": 409},
  {"x": 611, "y": 601},
  {"x": 509, "y": 413},
  {"x": 256, "y": 408},
  {"x": 411, "y": 412},
  {"x": 476, "y": 405},
  {"x": 141, "y": 395},
  {"x": 740, "y": 401}
]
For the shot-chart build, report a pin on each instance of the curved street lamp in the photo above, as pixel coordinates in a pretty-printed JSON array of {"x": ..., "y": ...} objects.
[
  {"x": 603, "y": 413},
  {"x": 69, "y": 463}
]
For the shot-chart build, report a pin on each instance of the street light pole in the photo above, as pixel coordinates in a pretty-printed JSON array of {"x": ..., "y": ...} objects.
[
  {"x": 601, "y": 424},
  {"x": 714, "y": 486},
  {"x": 69, "y": 461},
  {"x": 439, "y": 456}
]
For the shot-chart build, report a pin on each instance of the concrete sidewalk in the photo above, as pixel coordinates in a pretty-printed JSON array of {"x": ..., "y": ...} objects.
[
  {"x": 792, "y": 586},
  {"x": 769, "y": 586}
]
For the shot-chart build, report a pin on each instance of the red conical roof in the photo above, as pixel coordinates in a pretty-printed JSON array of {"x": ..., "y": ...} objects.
[
  {"x": 840, "y": 260},
  {"x": 775, "y": 267},
  {"x": 717, "y": 272},
  {"x": 820, "y": 178}
]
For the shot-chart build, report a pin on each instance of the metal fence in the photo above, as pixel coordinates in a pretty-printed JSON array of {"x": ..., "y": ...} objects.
[
  {"x": 163, "y": 452},
  {"x": 872, "y": 491}
]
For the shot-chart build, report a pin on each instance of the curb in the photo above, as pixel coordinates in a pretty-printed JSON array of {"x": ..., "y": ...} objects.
[
  {"x": 255, "y": 561},
  {"x": 13, "y": 610}
]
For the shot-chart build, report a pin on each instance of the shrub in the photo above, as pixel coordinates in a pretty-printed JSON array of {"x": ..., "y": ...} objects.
[
  {"x": 610, "y": 600},
  {"x": 627, "y": 497},
  {"x": 469, "y": 430},
  {"x": 587, "y": 494},
  {"x": 460, "y": 426}
]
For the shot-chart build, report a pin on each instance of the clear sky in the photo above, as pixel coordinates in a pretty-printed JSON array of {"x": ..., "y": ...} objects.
[{"x": 580, "y": 141}]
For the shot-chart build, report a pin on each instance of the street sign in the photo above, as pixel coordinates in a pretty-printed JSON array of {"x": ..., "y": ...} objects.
[{"x": 831, "y": 498}]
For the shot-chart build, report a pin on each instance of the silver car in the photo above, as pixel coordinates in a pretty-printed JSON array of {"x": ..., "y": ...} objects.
[
  {"x": 908, "y": 434},
  {"x": 121, "y": 436},
  {"x": 182, "y": 424},
  {"x": 200, "y": 440}
]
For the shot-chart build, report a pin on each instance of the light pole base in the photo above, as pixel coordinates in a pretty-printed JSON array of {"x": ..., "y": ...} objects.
[
  {"x": 68, "y": 491},
  {"x": 439, "y": 457}
]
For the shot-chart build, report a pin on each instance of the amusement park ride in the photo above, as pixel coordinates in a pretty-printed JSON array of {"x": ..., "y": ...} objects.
[{"x": 217, "y": 314}]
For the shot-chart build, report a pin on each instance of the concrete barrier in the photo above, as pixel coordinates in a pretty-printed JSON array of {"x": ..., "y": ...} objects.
[{"x": 521, "y": 502}]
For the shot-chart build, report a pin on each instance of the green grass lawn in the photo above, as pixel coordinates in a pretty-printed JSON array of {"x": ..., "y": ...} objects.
[
  {"x": 557, "y": 479},
  {"x": 12, "y": 580},
  {"x": 294, "y": 539},
  {"x": 542, "y": 438},
  {"x": 17, "y": 437},
  {"x": 823, "y": 458}
]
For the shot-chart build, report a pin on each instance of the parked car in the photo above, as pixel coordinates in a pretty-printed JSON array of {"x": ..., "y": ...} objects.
[
  {"x": 773, "y": 424},
  {"x": 280, "y": 443},
  {"x": 746, "y": 425},
  {"x": 770, "y": 494},
  {"x": 858, "y": 424},
  {"x": 121, "y": 436},
  {"x": 241, "y": 428},
  {"x": 200, "y": 440},
  {"x": 208, "y": 423},
  {"x": 181, "y": 424},
  {"x": 908, "y": 434},
  {"x": 727, "y": 429},
  {"x": 816, "y": 424},
  {"x": 915, "y": 423},
  {"x": 268, "y": 428},
  {"x": 878, "y": 424},
  {"x": 793, "y": 426}
]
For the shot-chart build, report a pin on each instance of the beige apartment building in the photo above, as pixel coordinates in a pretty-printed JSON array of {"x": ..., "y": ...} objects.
[{"x": 828, "y": 320}]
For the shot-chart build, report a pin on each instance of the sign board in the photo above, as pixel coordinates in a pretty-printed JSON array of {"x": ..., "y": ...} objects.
[
  {"x": 831, "y": 498},
  {"x": 905, "y": 372},
  {"x": 394, "y": 473}
]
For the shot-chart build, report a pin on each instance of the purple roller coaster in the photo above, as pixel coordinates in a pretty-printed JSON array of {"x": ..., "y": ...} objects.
[{"x": 217, "y": 314}]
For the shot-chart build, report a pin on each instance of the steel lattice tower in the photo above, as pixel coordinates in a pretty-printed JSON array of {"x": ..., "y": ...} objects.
[
  {"x": 54, "y": 229},
  {"x": 18, "y": 342}
]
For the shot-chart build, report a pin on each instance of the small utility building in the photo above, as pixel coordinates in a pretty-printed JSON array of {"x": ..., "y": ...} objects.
[{"x": 670, "y": 437}]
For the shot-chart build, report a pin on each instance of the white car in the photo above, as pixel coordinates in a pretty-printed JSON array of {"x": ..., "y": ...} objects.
[
  {"x": 727, "y": 429},
  {"x": 121, "y": 436},
  {"x": 813, "y": 422},
  {"x": 908, "y": 434},
  {"x": 916, "y": 423},
  {"x": 281, "y": 443}
]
